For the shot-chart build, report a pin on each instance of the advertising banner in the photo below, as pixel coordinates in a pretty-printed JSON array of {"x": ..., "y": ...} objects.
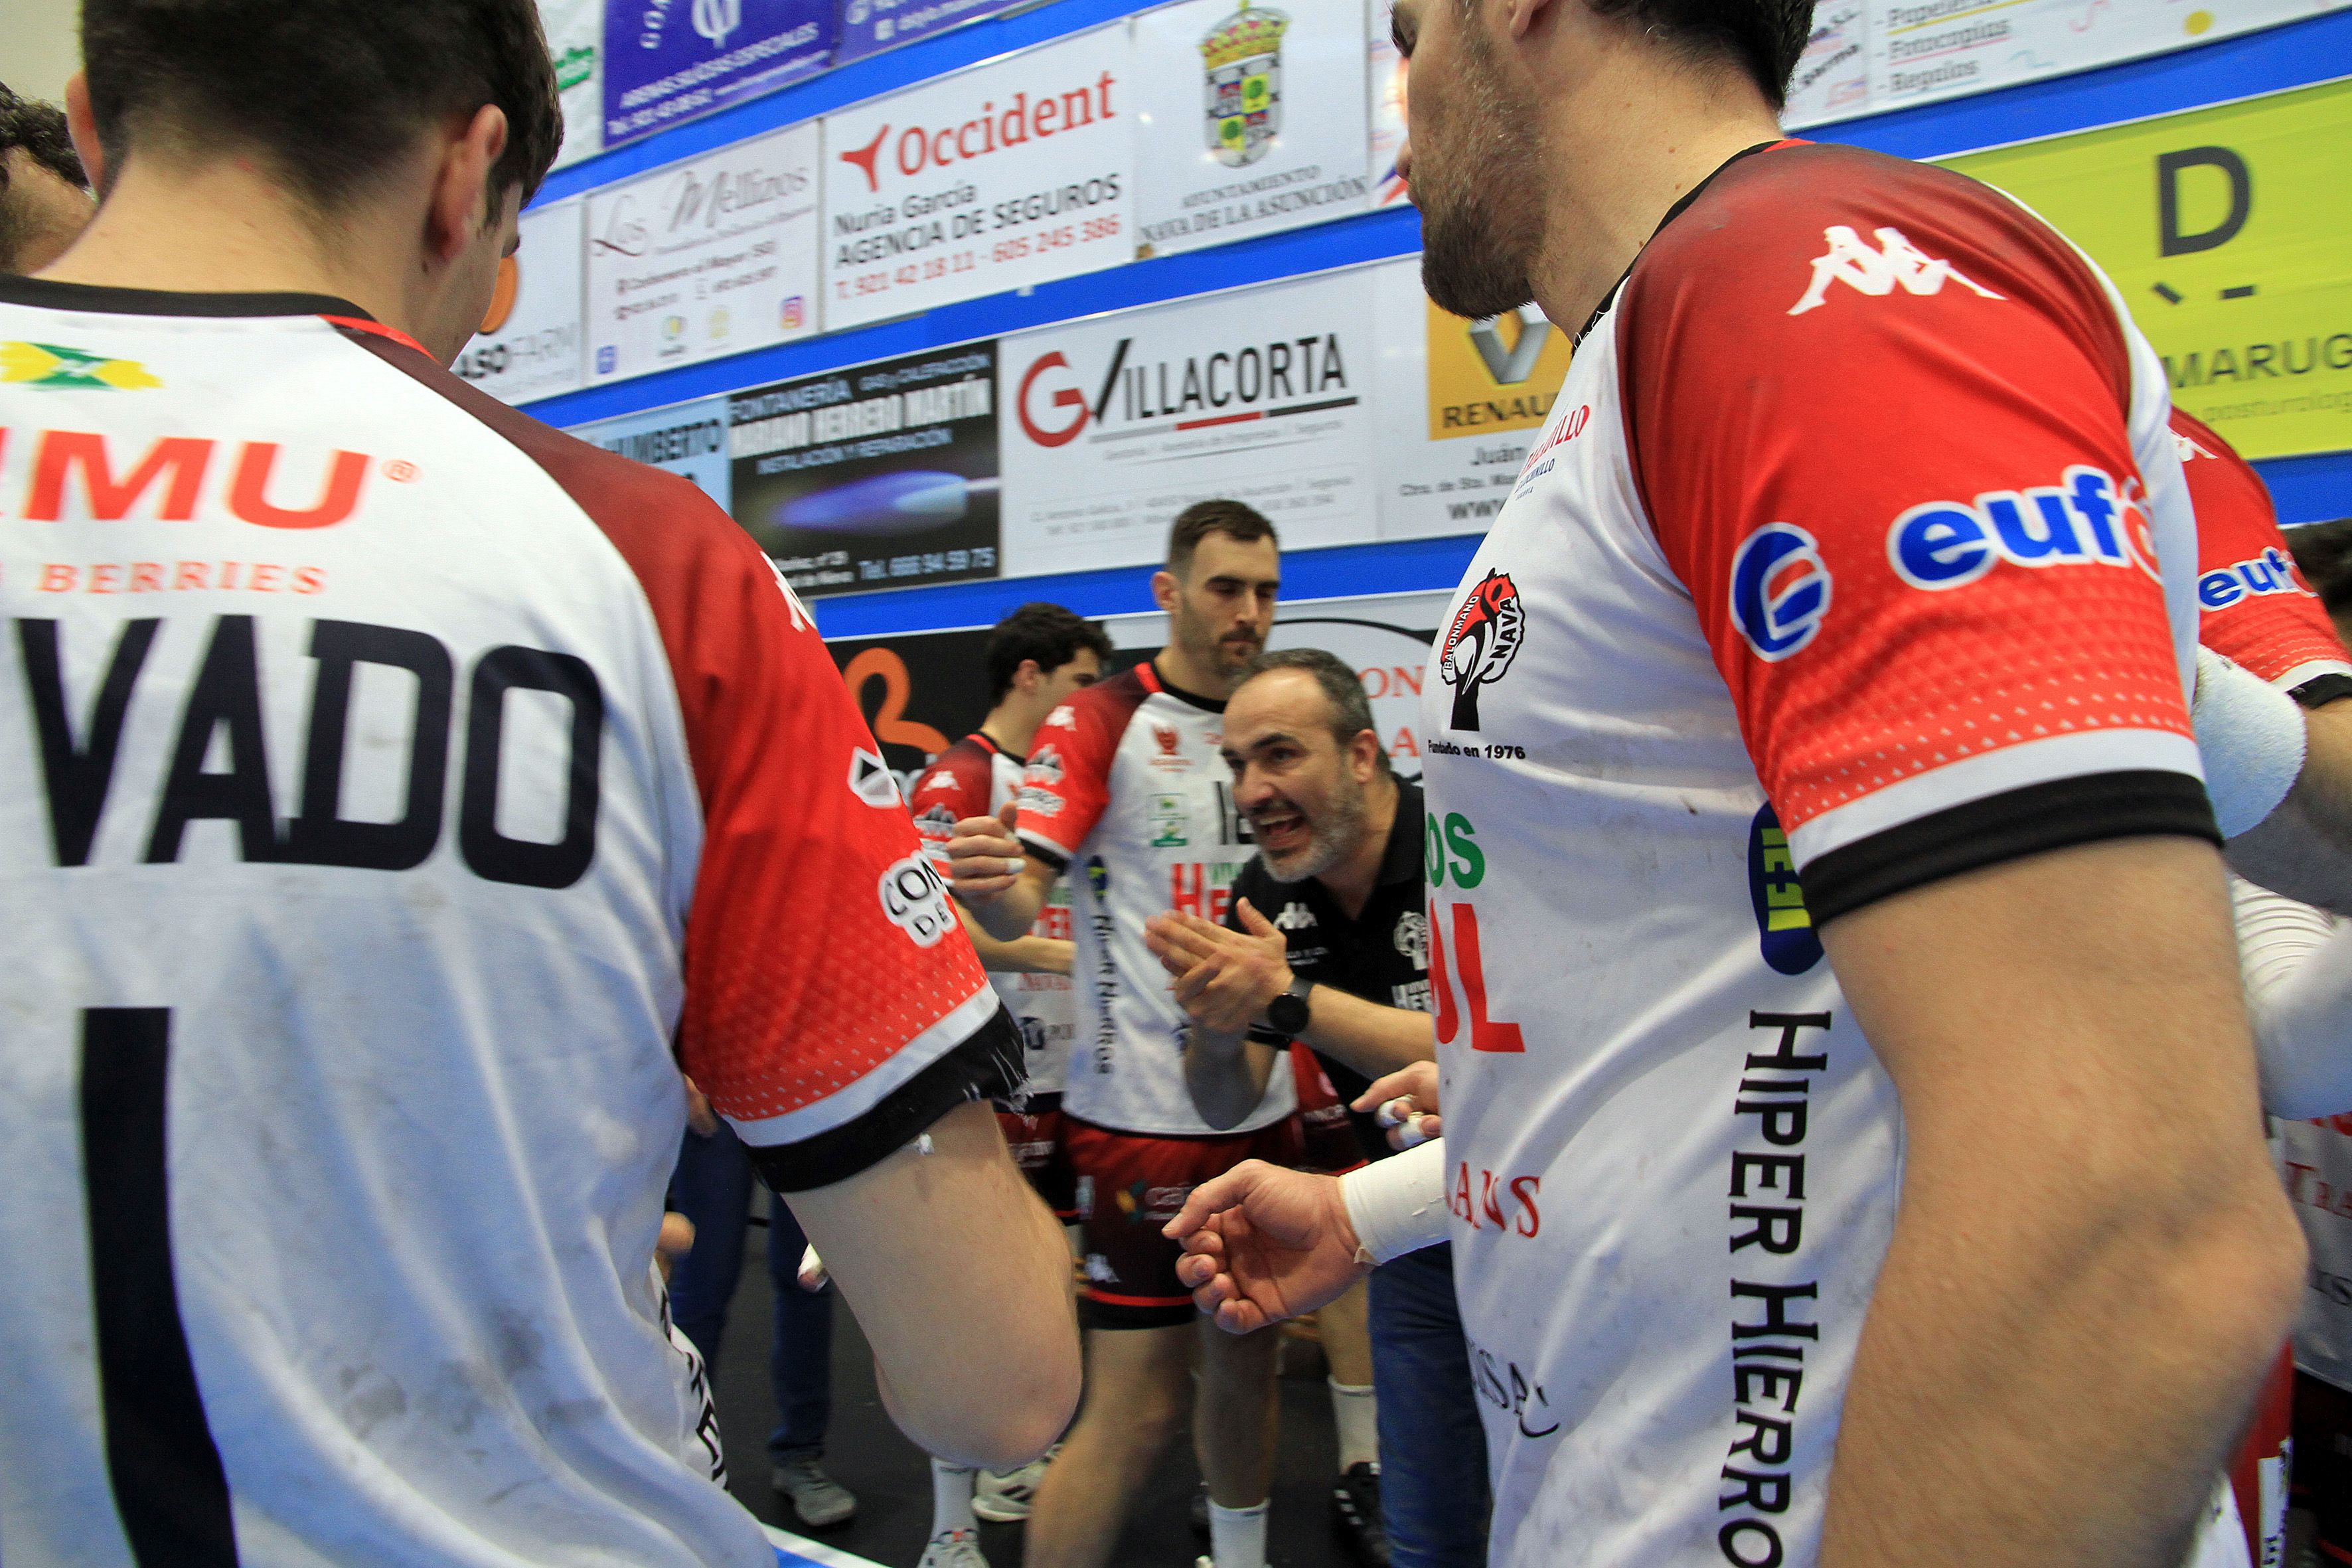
[
  {"x": 1384, "y": 637},
  {"x": 667, "y": 60},
  {"x": 1459, "y": 403},
  {"x": 689, "y": 439},
  {"x": 870, "y": 26},
  {"x": 1252, "y": 119},
  {"x": 881, "y": 475},
  {"x": 2226, "y": 229},
  {"x": 920, "y": 691},
  {"x": 1917, "y": 51},
  {"x": 575, "y": 42},
  {"x": 705, "y": 259},
  {"x": 1387, "y": 88},
  {"x": 1008, "y": 174},
  {"x": 1113, "y": 426},
  {"x": 528, "y": 344}
]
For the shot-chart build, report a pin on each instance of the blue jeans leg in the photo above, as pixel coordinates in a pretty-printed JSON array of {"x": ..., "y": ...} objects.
[
  {"x": 711, "y": 1187},
  {"x": 800, "y": 1366},
  {"x": 1432, "y": 1448}
]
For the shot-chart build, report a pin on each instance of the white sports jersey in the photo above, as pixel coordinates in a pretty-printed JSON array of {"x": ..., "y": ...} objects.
[
  {"x": 1838, "y": 554},
  {"x": 1127, "y": 793},
  {"x": 975, "y": 777},
  {"x": 391, "y": 782}
]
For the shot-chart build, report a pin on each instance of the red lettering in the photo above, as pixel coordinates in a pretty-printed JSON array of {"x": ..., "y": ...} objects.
[
  {"x": 56, "y": 577},
  {"x": 1103, "y": 87},
  {"x": 913, "y": 133},
  {"x": 1187, "y": 888},
  {"x": 1014, "y": 119},
  {"x": 1486, "y": 1034},
  {"x": 310, "y": 579},
  {"x": 1041, "y": 118},
  {"x": 1525, "y": 1188},
  {"x": 263, "y": 579},
  {"x": 102, "y": 576},
  {"x": 245, "y": 496},
  {"x": 939, "y": 147},
  {"x": 1449, "y": 1022},
  {"x": 968, "y": 127},
  {"x": 228, "y": 575},
  {"x": 63, "y": 451},
  {"x": 1459, "y": 1201},
  {"x": 146, "y": 576},
  {"x": 190, "y": 574},
  {"x": 1487, "y": 1205},
  {"x": 1407, "y": 677}
]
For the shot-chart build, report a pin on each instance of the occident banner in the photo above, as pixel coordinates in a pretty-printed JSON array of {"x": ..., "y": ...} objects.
[
  {"x": 705, "y": 259},
  {"x": 689, "y": 439},
  {"x": 869, "y": 26},
  {"x": 1115, "y": 425},
  {"x": 575, "y": 42},
  {"x": 1872, "y": 55},
  {"x": 2227, "y": 230},
  {"x": 1252, "y": 119},
  {"x": 1459, "y": 403},
  {"x": 1006, "y": 175},
  {"x": 881, "y": 475},
  {"x": 666, "y": 60},
  {"x": 528, "y": 343}
]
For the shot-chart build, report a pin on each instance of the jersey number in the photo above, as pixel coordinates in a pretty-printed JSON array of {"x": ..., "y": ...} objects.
[
  {"x": 1486, "y": 1034},
  {"x": 169, "y": 1488}
]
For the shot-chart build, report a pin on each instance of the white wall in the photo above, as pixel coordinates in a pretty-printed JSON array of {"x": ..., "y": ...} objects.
[{"x": 39, "y": 45}]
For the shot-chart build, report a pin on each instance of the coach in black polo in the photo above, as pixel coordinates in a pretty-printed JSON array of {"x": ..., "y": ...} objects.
[{"x": 1328, "y": 943}]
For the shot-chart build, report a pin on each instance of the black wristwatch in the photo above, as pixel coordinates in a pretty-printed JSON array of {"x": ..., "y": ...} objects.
[{"x": 1287, "y": 1013}]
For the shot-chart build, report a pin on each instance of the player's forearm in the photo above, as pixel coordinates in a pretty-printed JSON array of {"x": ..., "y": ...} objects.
[
  {"x": 1225, "y": 1075},
  {"x": 960, "y": 1279},
  {"x": 1026, "y": 954},
  {"x": 1375, "y": 1040},
  {"x": 1008, "y": 916}
]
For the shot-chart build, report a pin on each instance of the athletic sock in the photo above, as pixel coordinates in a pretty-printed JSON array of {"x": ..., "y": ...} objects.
[
  {"x": 1237, "y": 1536},
  {"x": 951, "y": 1498},
  {"x": 1356, "y": 1413}
]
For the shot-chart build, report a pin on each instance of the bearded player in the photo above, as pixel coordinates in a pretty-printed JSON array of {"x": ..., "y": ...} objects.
[{"x": 1920, "y": 1212}]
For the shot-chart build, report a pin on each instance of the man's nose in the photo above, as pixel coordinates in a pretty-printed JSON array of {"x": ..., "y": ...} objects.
[{"x": 1250, "y": 788}]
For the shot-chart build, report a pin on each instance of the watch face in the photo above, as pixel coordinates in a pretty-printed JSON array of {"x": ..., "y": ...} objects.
[{"x": 1287, "y": 1013}]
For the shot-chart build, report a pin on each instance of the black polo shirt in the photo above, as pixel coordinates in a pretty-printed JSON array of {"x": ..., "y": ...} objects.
[{"x": 1383, "y": 955}]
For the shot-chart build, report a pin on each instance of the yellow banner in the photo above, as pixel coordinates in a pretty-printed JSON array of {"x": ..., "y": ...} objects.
[
  {"x": 2229, "y": 231},
  {"x": 1490, "y": 376}
]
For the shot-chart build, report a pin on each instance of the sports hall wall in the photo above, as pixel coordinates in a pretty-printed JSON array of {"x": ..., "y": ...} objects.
[{"x": 953, "y": 303}]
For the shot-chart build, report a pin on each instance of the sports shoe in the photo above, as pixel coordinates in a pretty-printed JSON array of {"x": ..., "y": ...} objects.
[
  {"x": 1004, "y": 1499},
  {"x": 1356, "y": 1514},
  {"x": 953, "y": 1549},
  {"x": 816, "y": 1498}
]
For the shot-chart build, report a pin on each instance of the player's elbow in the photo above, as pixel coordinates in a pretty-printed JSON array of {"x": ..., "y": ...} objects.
[{"x": 2222, "y": 1257}]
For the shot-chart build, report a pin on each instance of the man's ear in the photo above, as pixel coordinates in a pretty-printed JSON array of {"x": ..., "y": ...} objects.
[
  {"x": 82, "y": 126},
  {"x": 1364, "y": 754},
  {"x": 460, "y": 204},
  {"x": 1522, "y": 14},
  {"x": 1030, "y": 676},
  {"x": 1163, "y": 590}
]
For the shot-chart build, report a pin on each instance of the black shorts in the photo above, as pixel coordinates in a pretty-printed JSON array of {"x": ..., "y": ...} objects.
[{"x": 1034, "y": 1134}]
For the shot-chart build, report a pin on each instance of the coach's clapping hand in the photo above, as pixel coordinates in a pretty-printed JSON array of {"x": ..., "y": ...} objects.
[{"x": 1224, "y": 978}]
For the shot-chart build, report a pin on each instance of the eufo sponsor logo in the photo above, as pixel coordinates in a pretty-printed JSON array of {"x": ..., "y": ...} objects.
[
  {"x": 2085, "y": 519},
  {"x": 1779, "y": 590}
]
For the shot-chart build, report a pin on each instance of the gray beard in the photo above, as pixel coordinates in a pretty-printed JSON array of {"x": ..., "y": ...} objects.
[{"x": 1328, "y": 841}]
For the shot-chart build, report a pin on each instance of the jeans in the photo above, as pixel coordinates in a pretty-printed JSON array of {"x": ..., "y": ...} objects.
[
  {"x": 1432, "y": 1448},
  {"x": 712, "y": 1187}
]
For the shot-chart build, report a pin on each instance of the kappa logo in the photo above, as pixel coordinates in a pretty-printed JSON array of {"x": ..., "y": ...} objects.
[
  {"x": 54, "y": 367},
  {"x": 1481, "y": 643},
  {"x": 937, "y": 823},
  {"x": 1045, "y": 765},
  {"x": 1895, "y": 262},
  {"x": 1294, "y": 916},
  {"x": 1779, "y": 590}
]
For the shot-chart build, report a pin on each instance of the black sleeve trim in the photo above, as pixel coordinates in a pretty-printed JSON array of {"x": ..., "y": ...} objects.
[
  {"x": 1054, "y": 857},
  {"x": 2007, "y": 827},
  {"x": 2322, "y": 689},
  {"x": 989, "y": 1065}
]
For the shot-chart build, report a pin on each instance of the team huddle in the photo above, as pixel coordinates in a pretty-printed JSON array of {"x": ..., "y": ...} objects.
[{"x": 1785, "y": 1085}]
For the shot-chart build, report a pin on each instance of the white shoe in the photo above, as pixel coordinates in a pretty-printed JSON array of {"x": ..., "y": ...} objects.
[
  {"x": 953, "y": 1549},
  {"x": 1001, "y": 1499}
]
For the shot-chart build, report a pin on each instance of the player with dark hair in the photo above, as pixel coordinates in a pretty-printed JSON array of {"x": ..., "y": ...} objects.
[
  {"x": 44, "y": 193},
  {"x": 1039, "y": 657},
  {"x": 1851, "y": 1144},
  {"x": 1127, "y": 793},
  {"x": 406, "y": 793}
]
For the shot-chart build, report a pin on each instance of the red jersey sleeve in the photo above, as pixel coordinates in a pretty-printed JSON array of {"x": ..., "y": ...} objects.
[
  {"x": 1067, "y": 781},
  {"x": 959, "y": 783},
  {"x": 2254, "y": 606},
  {"x": 1878, "y": 416}
]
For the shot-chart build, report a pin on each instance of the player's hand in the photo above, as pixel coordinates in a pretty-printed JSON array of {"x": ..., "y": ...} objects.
[
  {"x": 983, "y": 858},
  {"x": 1263, "y": 1244},
  {"x": 675, "y": 1240},
  {"x": 698, "y": 1114},
  {"x": 1405, "y": 1103}
]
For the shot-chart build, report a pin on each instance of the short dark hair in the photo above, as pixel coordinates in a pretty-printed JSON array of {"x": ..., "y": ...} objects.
[
  {"x": 1047, "y": 633},
  {"x": 1343, "y": 689},
  {"x": 1237, "y": 521},
  {"x": 40, "y": 130},
  {"x": 1766, "y": 37},
  {"x": 333, "y": 93},
  {"x": 2324, "y": 552}
]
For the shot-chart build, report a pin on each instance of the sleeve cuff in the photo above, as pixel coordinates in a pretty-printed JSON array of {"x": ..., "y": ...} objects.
[
  {"x": 1053, "y": 853},
  {"x": 2322, "y": 689},
  {"x": 988, "y": 1064},
  {"x": 2010, "y": 825}
]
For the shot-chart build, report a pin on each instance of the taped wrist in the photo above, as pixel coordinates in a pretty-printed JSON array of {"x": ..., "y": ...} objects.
[
  {"x": 1398, "y": 1206},
  {"x": 2252, "y": 739}
]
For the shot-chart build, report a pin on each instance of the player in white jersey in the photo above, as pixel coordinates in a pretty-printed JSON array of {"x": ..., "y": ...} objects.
[
  {"x": 1038, "y": 657},
  {"x": 1916, "y": 1212},
  {"x": 396, "y": 784},
  {"x": 1128, "y": 793}
]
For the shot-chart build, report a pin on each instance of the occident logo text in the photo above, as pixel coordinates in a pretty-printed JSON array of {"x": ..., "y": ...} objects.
[{"x": 915, "y": 148}]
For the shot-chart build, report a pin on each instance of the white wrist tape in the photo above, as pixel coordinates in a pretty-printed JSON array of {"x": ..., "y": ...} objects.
[
  {"x": 2251, "y": 737},
  {"x": 1398, "y": 1206}
]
